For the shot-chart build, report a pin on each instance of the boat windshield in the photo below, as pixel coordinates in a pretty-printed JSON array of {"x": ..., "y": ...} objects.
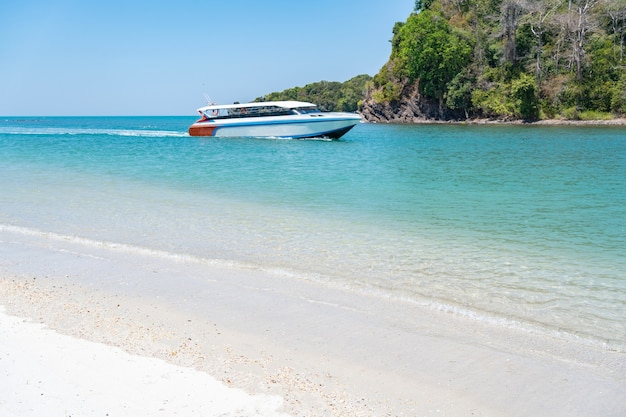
[{"x": 307, "y": 110}]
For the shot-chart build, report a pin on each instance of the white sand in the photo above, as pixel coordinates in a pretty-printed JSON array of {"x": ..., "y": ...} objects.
[
  {"x": 43, "y": 373},
  {"x": 322, "y": 350}
]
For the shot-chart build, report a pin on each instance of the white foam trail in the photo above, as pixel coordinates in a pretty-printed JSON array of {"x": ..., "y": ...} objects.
[{"x": 79, "y": 131}]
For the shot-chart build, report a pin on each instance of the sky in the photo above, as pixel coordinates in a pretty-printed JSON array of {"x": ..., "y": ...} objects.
[{"x": 158, "y": 57}]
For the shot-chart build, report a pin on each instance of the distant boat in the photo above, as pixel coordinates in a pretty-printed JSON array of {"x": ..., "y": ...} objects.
[{"x": 272, "y": 119}]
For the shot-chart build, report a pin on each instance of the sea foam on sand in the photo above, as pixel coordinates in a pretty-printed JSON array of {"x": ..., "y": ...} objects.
[
  {"x": 44, "y": 373},
  {"x": 310, "y": 349}
]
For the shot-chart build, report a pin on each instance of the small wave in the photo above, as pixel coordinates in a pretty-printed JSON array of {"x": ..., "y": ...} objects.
[
  {"x": 495, "y": 320},
  {"x": 123, "y": 247},
  {"x": 79, "y": 131},
  {"x": 162, "y": 254}
]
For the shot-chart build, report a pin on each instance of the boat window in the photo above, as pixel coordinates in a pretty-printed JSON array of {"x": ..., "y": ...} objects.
[
  {"x": 307, "y": 110},
  {"x": 214, "y": 113},
  {"x": 256, "y": 111}
]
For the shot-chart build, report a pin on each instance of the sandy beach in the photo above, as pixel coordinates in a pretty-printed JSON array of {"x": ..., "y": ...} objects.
[
  {"x": 94, "y": 329},
  {"x": 45, "y": 373}
]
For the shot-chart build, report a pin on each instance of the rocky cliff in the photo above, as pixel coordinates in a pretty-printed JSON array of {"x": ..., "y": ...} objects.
[{"x": 411, "y": 107}]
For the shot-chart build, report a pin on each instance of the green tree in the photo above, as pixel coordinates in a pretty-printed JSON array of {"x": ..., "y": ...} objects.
[
  {"x": 618, "y": 99},
  {"x": 432, "y": 52},
  {"x": 615, "y": 12},
  {"x": 459, "y": 95},
  {"x": 538, "y": 18},
  {"x": 602, "y": 74},
  {"x": 524, "y": 90}
]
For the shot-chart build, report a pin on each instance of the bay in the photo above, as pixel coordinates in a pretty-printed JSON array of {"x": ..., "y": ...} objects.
[{"x": 515, "y": 225}]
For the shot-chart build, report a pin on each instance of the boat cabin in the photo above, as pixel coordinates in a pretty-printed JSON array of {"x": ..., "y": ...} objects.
[{"x": 257, "y": 110}]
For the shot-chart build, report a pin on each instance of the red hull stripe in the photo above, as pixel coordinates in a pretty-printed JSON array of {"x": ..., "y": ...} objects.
[{"x": 199, "y": 130}]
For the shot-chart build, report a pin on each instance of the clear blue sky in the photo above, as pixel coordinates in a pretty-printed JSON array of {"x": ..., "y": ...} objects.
[{"x": 137, "y": 57}]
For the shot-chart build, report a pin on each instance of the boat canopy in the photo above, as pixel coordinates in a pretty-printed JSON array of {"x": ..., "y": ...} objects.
[{"x": 283, "y": 104}]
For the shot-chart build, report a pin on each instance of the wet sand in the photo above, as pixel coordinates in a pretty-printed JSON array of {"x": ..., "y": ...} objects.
[{"x": 307, "y": 349}]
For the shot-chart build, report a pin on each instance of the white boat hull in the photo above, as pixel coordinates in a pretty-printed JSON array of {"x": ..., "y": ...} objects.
[{"x": 330, "y": 125}]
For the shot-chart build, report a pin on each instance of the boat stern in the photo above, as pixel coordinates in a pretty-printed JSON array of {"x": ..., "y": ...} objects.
[{"x": 202, "y": 128}]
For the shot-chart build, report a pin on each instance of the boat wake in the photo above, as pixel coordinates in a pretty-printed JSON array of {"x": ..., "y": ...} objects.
[{"x": 79, "y": 131}]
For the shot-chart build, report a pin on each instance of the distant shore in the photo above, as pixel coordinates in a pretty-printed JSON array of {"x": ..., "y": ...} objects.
[
  {"x": 547, "y": 122},
  {"x": 555, "y": 122},
  {"x": 320, "y": 350}
]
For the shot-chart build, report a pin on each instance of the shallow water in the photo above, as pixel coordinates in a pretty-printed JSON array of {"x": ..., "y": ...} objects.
[{"x": 520, "y": 226}]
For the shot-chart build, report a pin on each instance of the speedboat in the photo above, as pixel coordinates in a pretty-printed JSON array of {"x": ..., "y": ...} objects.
[{"x": 272, "y": 119}]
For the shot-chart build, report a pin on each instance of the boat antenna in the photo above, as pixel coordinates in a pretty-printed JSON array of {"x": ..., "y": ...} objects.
[{"x": 208, "y": 99}]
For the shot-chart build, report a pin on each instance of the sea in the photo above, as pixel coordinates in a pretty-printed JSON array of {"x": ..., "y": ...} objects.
[{"x": 512, "y": 225}]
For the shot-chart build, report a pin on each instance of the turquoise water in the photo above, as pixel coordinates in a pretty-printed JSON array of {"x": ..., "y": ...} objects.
[{"x": 515, "y": 225}]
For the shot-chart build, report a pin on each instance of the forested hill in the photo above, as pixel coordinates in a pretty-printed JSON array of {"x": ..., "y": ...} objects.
[
  {"x": 497, "y": 59},
  {"x": 504, "y": 59},
  {"x": 328, "y": 95}
]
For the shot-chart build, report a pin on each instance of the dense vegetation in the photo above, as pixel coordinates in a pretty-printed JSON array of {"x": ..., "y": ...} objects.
[
  {"x": 328, "y": 95},
  {"x": 505, "y": 59},
  {"x": 510, "y": 58}
]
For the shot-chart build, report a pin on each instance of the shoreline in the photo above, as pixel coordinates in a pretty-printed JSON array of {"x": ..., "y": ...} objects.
[
  {"x": 324, "y": 351},
  {"x": 617, "y": 122}
]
